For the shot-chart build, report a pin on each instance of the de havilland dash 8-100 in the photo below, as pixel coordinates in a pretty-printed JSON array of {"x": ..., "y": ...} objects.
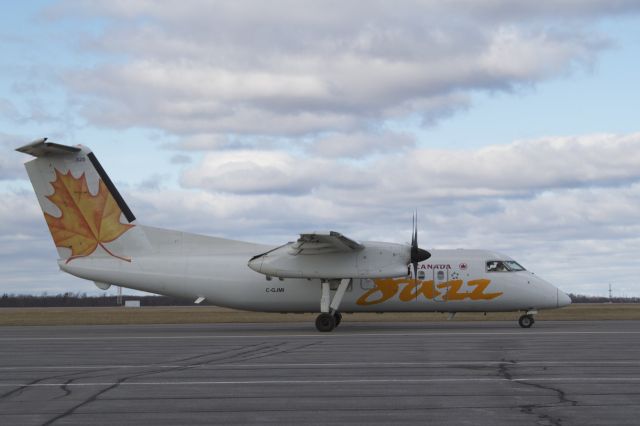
[{"x": 98, "y": 238}]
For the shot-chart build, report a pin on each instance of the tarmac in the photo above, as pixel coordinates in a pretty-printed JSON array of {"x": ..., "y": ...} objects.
[{"x": 493, "y": 373}]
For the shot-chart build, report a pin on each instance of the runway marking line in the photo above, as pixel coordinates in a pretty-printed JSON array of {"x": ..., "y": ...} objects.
[
  {"x": 317, "y": 335},
  {"x": 331, "y": 364},
  {"x": 330, "y": 381}
]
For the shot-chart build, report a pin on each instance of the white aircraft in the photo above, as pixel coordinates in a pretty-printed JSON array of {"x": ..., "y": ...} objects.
[{"x": 99, "y": 239}]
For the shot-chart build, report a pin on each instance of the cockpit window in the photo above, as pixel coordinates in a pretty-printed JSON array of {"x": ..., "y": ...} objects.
[
  {"x": 496, "y": 266},
  {"x": 513, "y": 265},
  {"x": 503, "y": 266}
]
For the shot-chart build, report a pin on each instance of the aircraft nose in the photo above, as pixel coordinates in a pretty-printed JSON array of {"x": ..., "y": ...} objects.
[{"x": 563, "y": 299}]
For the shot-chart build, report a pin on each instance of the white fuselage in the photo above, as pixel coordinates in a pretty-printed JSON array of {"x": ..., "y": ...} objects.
[
  {"x": 98, "y": 238},
  {"x": 194, "y": 266}
]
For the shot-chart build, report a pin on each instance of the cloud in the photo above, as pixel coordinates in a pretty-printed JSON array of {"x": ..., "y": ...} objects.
[
  {"x": 11, "y": 167},
  {"x": 566, "y": 207},
  {"x": 255, "y": 172},
  {"x": 511, "y": 170},
  {"x": 28, "y": 255},
  {"x": 533, "y": 165},
  {"x": 306, "y": 68},
  {"x": 8, "y": 110},
  {"x": 202, "y": 142},
  {"x": 571, "y": 209},
  {"x": 180, "y": 159},
  {"x": 358, "y": 145},
  {"x": 154, "y": 182},
  {"x": 286, "y": 110},
  {"x": 18, "y": 211},
  {"x": 214, "y": 142},
  {"x": 557, "y": 204}
]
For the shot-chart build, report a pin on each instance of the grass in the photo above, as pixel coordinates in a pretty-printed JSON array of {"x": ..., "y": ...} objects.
[{"x": 212, "y": 314}]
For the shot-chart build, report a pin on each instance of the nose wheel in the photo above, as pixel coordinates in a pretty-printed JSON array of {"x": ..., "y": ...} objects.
[{"x": 526, "y": 321}]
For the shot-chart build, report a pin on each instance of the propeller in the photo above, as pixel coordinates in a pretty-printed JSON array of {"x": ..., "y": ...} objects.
[{"x": 417, "y": 254}]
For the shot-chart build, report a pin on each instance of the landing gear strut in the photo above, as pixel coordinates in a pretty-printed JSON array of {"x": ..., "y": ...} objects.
[
  {"x": 526, "y": 321},
  {"x": 330, "y": 317}
]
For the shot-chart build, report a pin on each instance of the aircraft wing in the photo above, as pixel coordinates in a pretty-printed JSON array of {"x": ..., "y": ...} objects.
[
  {"x": 324, "y": 243},
  {"x": 331, "y": 255}
]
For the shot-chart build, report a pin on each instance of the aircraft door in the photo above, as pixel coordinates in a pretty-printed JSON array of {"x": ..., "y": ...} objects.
[
  {"x": 421, "y": 278},
  {"x": 440, "y": 280}
]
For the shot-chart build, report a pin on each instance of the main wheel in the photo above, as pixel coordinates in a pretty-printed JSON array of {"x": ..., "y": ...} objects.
[
  {"x": 338, "y": 318},
  {"x": 526, "y": 321},
  {"x": 325, "y": 322}
]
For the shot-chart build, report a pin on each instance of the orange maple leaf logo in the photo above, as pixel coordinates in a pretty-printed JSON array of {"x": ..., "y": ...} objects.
[{"x": 87, "y": 221}]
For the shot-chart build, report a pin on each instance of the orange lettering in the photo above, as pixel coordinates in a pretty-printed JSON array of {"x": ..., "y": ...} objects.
[
  {"x": 409, "y": 292},
  {"x": 453, "y": 288},
  {"x": 481, "y": 285},
  {"x": 428, "y": 290},
  {"x": 387, "y": 289}
]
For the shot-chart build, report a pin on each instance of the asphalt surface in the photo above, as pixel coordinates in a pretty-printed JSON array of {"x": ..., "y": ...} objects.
[{"x": 494, "y": 373}]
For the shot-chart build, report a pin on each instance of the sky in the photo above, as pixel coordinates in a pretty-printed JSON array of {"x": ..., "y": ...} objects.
[{"x": 509, "y": 126}]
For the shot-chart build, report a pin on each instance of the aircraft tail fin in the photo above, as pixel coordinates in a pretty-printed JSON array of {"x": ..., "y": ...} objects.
[{"x": 84, "y": 211}]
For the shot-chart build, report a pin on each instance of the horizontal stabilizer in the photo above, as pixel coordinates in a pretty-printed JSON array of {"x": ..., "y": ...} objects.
[{"x": 41, "y": 148}]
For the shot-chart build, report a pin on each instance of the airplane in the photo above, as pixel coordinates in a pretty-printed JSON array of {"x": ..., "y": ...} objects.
[{"x": 98, "y": 238}]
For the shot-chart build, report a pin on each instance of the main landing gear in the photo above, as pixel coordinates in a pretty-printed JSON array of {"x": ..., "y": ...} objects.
[
  {"x": 327, "y": 322},
  {"x": 330, "y": 317},
  {"x": 338, "y": 317},
  {"x": 526, "y": 321}
]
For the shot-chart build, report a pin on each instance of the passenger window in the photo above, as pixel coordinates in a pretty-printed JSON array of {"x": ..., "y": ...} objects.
[
  {"x": 421, "y": 275},
  {"x": 440, "y": 275},
  {"x": 367, "y": 284}
]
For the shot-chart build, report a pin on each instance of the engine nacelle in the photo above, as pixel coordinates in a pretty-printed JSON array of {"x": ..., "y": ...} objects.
[{"x": 375, "y": 260}]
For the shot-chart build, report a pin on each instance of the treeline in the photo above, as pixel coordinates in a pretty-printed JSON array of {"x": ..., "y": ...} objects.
[
  {"x": 82, "y": 300},
  {"x": 581, "y": 298}
]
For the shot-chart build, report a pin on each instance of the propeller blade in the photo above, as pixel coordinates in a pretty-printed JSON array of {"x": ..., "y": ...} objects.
[
  {"x": 414, "y": 237},
  {"x": 414, "y": 247},
  {"x": 417, "y": 254}
]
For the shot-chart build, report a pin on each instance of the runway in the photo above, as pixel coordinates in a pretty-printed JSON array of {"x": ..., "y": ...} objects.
[{"x": 556, "y": 373}]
